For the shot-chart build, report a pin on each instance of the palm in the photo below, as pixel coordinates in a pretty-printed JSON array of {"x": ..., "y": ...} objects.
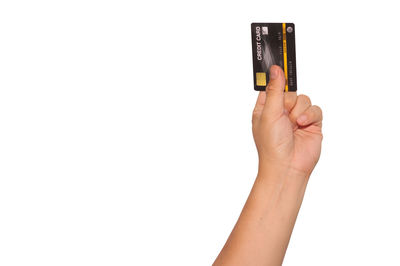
[{"x": 307, "y": 147}]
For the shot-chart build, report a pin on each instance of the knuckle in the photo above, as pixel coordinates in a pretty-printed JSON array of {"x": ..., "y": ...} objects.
[
  {"x": 304, "y": 98},
  {"x": 269, "y": 87},
  {"x": 272, "y": 86},
  {"x": 318, "y": 110}
]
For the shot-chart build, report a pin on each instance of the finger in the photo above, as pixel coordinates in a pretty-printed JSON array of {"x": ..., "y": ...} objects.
[
  {"x": 290, "y": 100},
  {"x": 302, "y": 103},
  {"x": 274, "y": 102},
  {"x": 312, "y": 115},
  {"x": 259, "y": 105}
]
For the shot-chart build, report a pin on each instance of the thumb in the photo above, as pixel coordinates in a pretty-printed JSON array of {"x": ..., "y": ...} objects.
[{"x": 274, "y": 103}]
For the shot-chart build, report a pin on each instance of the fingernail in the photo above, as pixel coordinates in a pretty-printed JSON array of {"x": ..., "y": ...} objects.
[
  {"x": 273, "y": 74},
  {"x": 301, "y": 119}
]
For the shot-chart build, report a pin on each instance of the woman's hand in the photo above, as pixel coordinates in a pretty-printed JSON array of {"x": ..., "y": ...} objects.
[{"x": 286, "y": 127}]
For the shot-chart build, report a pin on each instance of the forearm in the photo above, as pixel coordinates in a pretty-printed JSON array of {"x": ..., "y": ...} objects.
[{"x": 262, "y": 233}]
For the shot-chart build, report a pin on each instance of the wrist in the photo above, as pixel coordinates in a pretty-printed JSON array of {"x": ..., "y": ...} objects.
[
  {"x": 281, "y": 175},
  {"x": 280, "y": 166}
]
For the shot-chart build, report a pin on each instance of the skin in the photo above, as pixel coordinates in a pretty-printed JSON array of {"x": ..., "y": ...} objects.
[{"x": 287, "y": 133}]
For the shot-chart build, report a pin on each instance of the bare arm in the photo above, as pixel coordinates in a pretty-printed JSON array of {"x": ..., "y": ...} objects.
[{"x": 288, "y": 147}]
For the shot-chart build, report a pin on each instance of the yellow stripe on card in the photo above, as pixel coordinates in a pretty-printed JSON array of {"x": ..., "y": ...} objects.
[{"x": 285, "y": 55}]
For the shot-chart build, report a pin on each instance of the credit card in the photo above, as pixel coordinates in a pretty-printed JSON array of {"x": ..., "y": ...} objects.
[{"x": 273, "y": 44}]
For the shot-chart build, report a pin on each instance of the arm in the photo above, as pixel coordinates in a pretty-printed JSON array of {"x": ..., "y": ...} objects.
[{"x": 287, "y": 133}]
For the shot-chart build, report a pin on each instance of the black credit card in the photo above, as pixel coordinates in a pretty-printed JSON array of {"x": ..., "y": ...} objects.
[{"x": 273, "y": 44}]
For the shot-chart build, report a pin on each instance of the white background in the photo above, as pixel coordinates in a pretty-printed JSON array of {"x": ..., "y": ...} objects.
[{"x": 125, "y": 130}]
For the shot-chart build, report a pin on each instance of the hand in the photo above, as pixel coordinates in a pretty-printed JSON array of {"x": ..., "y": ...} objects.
[
  {"x": 287, "y": 132},
  {"x": 286, "y": 127}
]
